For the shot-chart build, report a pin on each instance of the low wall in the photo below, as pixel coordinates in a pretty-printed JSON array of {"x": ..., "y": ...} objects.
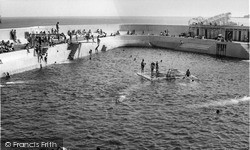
[
  {"x": 235, "y": 50},
  {"x": 5, "y": 33},
  {"x": 20, "y": 61},
  {"x": 154, "y": 29}
]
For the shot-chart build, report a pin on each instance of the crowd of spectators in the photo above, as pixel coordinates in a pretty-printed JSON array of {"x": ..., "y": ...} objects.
[
  {"x": 6, "y": 46},
  {"x": 40, "y": 39},
  {"x": 164, "y": 33},
  {"x": 131, "y": 32},
  {"x": 44, "y": 38}
]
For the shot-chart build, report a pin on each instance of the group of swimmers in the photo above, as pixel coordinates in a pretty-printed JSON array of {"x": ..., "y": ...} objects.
[{"x": 155, "y": 66}]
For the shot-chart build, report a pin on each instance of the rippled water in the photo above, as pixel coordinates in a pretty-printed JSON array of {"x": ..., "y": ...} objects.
[{"x": 102, "y": 102}]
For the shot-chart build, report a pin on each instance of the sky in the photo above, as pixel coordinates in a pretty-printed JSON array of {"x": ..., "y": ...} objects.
[{"x": 204, "y": 8}]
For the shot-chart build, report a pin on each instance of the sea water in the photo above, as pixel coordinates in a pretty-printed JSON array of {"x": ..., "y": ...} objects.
[
  {"x": 102, "y": 102},
  {"x": 18, "y": 22}
]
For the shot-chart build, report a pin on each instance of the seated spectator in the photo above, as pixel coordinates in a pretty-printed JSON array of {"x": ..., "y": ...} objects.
[{"x": 11, "y": 48}]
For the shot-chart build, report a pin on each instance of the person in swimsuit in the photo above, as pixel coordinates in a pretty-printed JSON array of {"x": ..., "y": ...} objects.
[
  {"x": 142, "y": 66},
  {"x": 157, "y": 68},
  {"x": 152, "y": 68},
  {"x": 90, "y": 53},
  {"x": 188, "y": 73}
]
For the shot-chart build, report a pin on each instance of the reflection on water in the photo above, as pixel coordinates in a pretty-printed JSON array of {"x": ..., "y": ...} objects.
[{"x": 102, "y": 102}]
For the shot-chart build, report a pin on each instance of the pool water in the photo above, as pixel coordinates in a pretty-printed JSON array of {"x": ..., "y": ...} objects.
[{"x": 102, "y": 102}]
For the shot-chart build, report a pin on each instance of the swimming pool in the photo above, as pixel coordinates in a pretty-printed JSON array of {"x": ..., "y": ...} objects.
[{"x": 78, "y": 101}]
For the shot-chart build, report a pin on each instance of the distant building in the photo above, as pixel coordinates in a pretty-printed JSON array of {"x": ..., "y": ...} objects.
[
  {"x": 247, "y": 16},
  {"x": 216, "y": 26}
]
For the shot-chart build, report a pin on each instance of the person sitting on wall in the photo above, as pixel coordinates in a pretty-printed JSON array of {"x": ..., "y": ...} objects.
[
  {"x": 118, "y": 33},
  {"x": 11, "y": 48},
  {"x": 7, "y": 76}
]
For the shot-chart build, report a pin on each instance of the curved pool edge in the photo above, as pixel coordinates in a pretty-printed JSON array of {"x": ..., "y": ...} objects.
[{"x": 20, "y": 61}]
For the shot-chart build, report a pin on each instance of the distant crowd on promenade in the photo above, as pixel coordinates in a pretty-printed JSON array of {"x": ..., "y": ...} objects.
[
  {"x": 49, "y": 38},
  {"x": 219, "y": 37},
  {"x": 8, "y": 46}
]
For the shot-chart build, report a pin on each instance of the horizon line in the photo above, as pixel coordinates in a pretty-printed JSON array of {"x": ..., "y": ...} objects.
[{"x": 105, "y": 16}]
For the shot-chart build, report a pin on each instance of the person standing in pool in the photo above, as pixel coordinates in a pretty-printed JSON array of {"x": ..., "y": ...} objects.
[
  {"x": 142, "y": 66},
  {"x": 157, "y": 68},
  {"x": 152, "y": 68},
  {"x": 188, "y": 73},
  {"x": 90, "y": 53}
]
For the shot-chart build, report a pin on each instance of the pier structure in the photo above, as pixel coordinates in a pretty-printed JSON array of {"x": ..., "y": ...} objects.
[
  {"x": 230, "y": 33},
  {"x": 219, "y": 25}
]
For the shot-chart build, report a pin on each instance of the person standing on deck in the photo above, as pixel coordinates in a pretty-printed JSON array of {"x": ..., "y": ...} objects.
[
  {"x": 98, "y": 43},
  {"x": 142, "y": 66},
  {"x": 98, "y": 40},
  {"x": 57, "y": 27}
]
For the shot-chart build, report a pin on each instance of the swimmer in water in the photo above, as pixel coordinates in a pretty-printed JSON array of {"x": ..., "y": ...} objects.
[
  {"x": 188, "y": 73},
  {"x": 90, "y": 53},
  {"x": 217, "y": 111}
]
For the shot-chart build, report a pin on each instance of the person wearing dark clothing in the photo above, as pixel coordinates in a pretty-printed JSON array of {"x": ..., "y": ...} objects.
[
  {"x": 7, "y": 75},
  {"x": 142, "y": 66},
  {"x": 188, "y": 73},
  {"x": 90, "y": 53},
  {"x": 57, "y": 27},
  {"x": 40, "y": 40},
  {"x": 15, "y": 35},
  {"x": 157, "y": 68},
  {"x": 152, "y": 68},
  {"x": 27, "y": 47},
  {"x": 45, "y": 58}
]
